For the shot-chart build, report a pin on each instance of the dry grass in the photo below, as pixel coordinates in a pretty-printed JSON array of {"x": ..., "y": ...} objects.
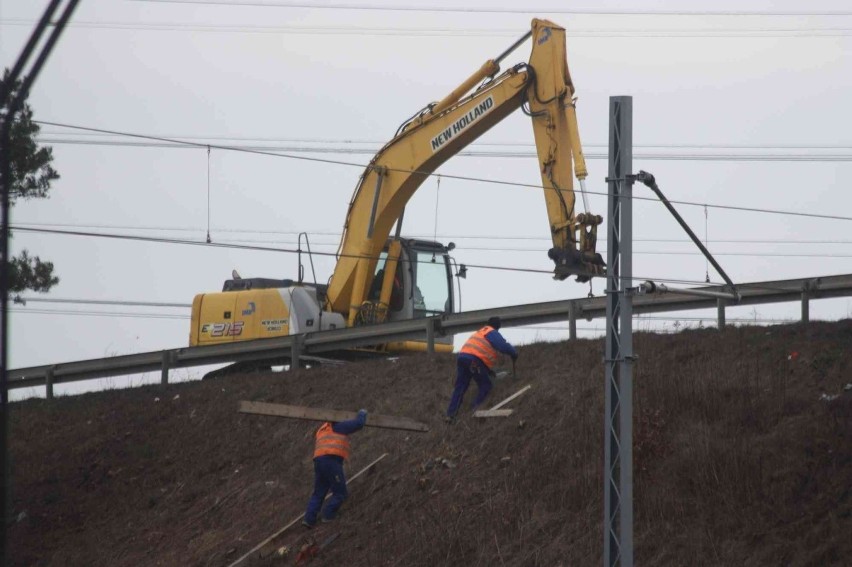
[{"x": 737, "y": 461}]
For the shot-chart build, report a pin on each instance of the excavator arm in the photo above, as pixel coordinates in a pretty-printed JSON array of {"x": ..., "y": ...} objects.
[{"x": 443, "y": 129}]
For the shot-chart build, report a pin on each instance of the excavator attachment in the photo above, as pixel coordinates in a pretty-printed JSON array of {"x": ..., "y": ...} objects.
[
  {"x": 579, "y": 257},
  {"x": 571, "y": 263}
]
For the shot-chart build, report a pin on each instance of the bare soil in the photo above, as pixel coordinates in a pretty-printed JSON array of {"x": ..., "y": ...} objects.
[{"x": 742, "y": 456}]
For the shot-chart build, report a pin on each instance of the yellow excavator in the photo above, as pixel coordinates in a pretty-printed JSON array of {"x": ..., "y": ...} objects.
[{"x": 379, "y": 277}]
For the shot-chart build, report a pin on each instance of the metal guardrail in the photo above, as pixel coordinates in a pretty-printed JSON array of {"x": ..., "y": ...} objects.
[{"x": 294, "y": 346}]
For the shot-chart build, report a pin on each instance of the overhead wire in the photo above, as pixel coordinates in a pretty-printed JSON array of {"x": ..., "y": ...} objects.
[
  {"x": 699, "y": 157},
  {"x": 462, "y": 246},
  {"x": 774, "y": 156},
  {"x": 330, "y": 254},
  {"x": 447, "y": 176},
  {"x": 503, "y": 10},
  {"x": 99, "y": 313},
  {"x": 47, "y": 137},
  {"x": 122, "y": 302},
  {"x": 398, "y": 31},
  {"x": 449, "y": 236},
  {"x": 294, "y": 251},
  {"x": 246, "y": 244},
  {"x": 231, "y": 246}
]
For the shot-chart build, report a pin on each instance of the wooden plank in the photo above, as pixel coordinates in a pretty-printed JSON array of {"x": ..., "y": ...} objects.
[
  {"x": 512, "y": 397},
  {"x": 269, "y": 541},
  {"x": 320, "y": 414},
  {"x": 493, "y": 413}
]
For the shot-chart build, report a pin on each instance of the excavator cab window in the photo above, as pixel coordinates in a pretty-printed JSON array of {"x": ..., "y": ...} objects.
[{"x": 432, "y": 283}]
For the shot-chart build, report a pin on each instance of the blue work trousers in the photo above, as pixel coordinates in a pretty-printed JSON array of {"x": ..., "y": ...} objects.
[
  {"x": 328, "y": 475},
  {"x": 467, "y": 368}
]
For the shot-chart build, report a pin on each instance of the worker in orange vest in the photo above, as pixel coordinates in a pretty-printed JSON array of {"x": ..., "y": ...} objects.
[
  {"x": 476, "y": 359},
  {"x": 331, "y": 448}
]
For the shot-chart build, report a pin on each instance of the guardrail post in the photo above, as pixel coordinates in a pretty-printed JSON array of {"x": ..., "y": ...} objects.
[
  {"x": 806, "y": 305},
  {"x": 167, "y": 363},
  {"x": 48, "y": 383},
  {"x": 430, "y": 335},
  {"x": 720, "y": 313},
  {"x": 572, "y": 321},
  {"x": 296, "y": 351}
]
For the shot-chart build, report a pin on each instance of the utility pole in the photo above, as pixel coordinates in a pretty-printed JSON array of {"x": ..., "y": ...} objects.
[
  {"x": 618, "y": 426},
  {"x": 11, "y": 101}
]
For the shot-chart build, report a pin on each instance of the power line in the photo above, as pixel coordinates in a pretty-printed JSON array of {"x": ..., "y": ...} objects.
[
  {"x": 465, "y": 247},
  {"x": 596, "y": 155},
  {"x": 637, "y": 252},
  {"x": 448, "y": 176},
  {"x": 778, "y": 241},
  {"x": 187, "y": 143},
  {"x": 99, "y": 313},
  {"x": 747, "y": 254},
  {"x": 47, "y": 137},
  {"x": 122, "y": 302},
  {"x": 236, "y": 246},
  {"x": 240, "y": 244},
  {"x": 491, "y": 10},
  {"x": 292, "y": 251},
  {"x": 447, "y": 32}
]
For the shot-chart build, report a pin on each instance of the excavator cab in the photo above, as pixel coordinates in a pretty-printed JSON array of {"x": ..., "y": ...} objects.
[{"x": 419, "y": 285}]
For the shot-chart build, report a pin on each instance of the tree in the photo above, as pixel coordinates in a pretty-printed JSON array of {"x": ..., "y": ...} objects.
[{"x": 32, "y": 174}]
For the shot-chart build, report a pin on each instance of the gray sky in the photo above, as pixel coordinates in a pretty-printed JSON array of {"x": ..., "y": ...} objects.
[{"x": 766, "y": 92}]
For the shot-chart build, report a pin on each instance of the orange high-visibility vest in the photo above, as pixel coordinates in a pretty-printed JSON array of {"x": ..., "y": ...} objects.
[
  {"x": 330, "y": 443},
  {"x": 478, "y": 346}
]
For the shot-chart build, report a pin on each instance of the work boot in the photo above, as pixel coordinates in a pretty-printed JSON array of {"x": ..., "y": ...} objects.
[
  {"x": 308, "y": 525},
  {"x": 450, "y": 419},
  {"x": 325, "y": 520}
]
